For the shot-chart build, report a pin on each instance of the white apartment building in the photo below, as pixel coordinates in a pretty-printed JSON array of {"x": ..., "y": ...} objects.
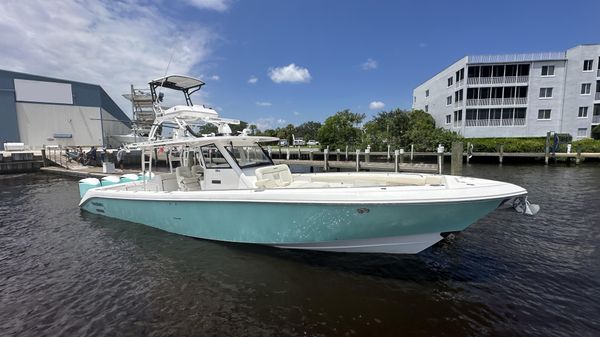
[{"x": 518, "y": 95}]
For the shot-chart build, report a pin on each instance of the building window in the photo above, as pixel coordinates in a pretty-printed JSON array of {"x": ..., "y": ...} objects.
[
  {"x": 427, "y": 93},
  {"x": 581, "y": 132},
  {"x": 427, "y": 108},
  {"x": 582, "y": 112},
  {"x": 547, "y": 70},
  {"x": 544, "y": 114},
  {"x": 450, "y": 81},
  {"x": 586, "y": 88},
  {"x": 448, "y": 119},
  {"x": 448, "y": 100},
  {"x": 588, "y": 65},
  {"x": 414, "y": 99},
  {"x": 545, "y": 92}
]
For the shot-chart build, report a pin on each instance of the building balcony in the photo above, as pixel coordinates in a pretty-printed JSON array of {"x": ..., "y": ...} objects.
[
  {"x": 498, "y": 80},
  {"x": 497, "y": 101},
  {"x": 495, "y": 122},
  {"x": 457, "y": 124},
  {"x": 597, "y": 97},
  {"x": 596, "y": 119},
  {"x": 458, "y": 104},
  {"x": 598, "y": 73}
]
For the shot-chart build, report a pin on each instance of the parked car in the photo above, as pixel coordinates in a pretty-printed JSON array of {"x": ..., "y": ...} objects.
[
  {"x": 312, "y": 142},
  {"x": 283, "y": 142}
]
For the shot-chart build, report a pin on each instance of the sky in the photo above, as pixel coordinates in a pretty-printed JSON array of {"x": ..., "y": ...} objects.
[{"x": 276, "y": 62}]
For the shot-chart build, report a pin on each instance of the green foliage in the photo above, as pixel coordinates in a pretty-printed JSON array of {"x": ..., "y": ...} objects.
[
  {"x": 596, "y": 132},
  {"x": 530, "y": 144},
  {"x": 387, "y": 128},
  {"x": 341, "y": 129},
  {"x": 424, "y": 135},
  {"x": 587, "y": 145},
  {"x": 308, "y": 130}
]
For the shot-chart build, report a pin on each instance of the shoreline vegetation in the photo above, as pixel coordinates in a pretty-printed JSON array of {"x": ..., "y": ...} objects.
[{"x": 400, "y": 129}]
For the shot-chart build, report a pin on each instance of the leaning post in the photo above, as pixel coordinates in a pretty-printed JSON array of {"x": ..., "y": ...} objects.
[
  {"x": 346, "y": 152},
  {"x": 578, "y": 158},
  {"x": 412, "y": 151},
  {"x": 456, "y": 159}
]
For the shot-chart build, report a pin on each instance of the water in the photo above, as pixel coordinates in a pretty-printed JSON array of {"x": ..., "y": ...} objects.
[{"x": 64, "y": 272}]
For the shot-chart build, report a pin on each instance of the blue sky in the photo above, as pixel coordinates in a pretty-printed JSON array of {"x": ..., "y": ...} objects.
[{"x": 347, "y": 54}]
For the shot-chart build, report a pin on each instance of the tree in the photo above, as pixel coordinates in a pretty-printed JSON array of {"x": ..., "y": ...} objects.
[
  {"x": 596, "y": 132},
  {"x": 341, "y": 129},
  {"x": 423, "y": 133},
  {"x": 387, "y": 128},
  {"x": 308, "y": 130},
  {"x": 253, "y": 129}
]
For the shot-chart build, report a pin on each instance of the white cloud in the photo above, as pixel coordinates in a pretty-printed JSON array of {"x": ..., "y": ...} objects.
[
  {"x": 369, "y": 64},
  {"x": 376, "y": 105},
  {"x": 217, "y": 5},
  {"x": 290, "y": 73},
  {"x": 215, "y": 77},
  {"x": 264, "y": 103},
  {"x": 252, "y": 80},
  {"x": 296, "y": 113},
  {"x": 113, "y": 44},
  {"x": 268, "y": 123}
]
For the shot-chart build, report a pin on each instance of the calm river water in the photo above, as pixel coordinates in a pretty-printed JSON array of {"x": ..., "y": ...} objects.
[{"x": 64, "y": 272}]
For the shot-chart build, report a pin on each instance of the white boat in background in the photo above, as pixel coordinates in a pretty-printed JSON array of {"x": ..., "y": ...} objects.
[{"x": 228, "y": 189}]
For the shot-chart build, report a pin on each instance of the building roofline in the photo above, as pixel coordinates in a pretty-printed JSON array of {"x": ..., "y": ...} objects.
[
  {"x": 49, "y": 78},
  {"x": 441, "y": 71}
]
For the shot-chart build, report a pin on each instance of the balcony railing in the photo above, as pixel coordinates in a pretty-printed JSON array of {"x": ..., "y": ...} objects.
[
  {"x": 497, "y": 80},
  {"x": 596, "y": 119},
  {"x": 495, "y": 122},
  {"x": 497, "y": 101},
  {"x": 597, "y": 98},
  {"x": 598, "y": 73},
  {"x": 458, "y": 104}
]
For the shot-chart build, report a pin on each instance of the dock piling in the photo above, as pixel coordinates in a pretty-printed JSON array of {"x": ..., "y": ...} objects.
[
  {"x": 357, "y": 160},
  {"x": 326, "y": 160},
  {"x": 456, "y": 159},
  {"x": 396, "y": 154}
]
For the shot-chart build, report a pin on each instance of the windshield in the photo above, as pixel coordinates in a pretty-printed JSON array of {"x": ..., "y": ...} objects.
[{"x": 249, "y": 156}]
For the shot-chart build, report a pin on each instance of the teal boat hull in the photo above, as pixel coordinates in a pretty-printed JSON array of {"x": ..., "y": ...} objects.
[{"x": 300, "y": 225}]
